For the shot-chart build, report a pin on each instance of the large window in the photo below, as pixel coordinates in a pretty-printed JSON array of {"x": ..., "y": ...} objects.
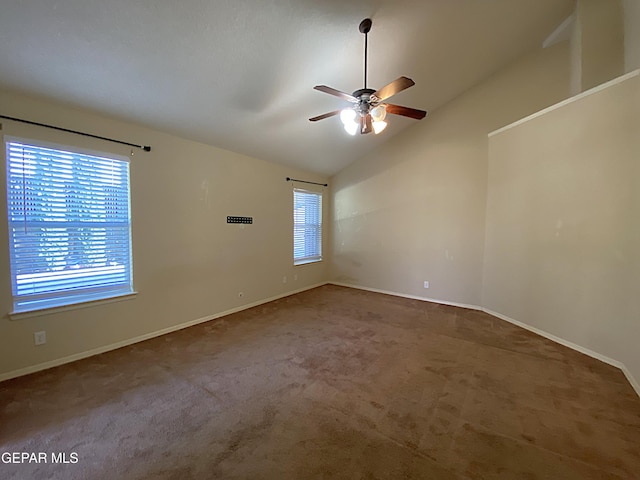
[
  {"x": 69, "y": 226},
  {"x": 307, "y": 227}
]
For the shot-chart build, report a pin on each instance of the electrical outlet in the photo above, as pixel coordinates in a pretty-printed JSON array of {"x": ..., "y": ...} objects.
[
  {"x": 295, "y": 277},
  {"x": 284, "y": 279},
  {"x": 40, "y": 338},
  {"x": 426, "y": 284}
]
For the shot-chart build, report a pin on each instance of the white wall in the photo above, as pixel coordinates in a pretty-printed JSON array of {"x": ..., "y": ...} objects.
[
  {"x": 414, "y": 209},
  {"x": 188, "y": 262},
  {"x": 632, "y": 34},
  {"x": 562, "y": 251}
]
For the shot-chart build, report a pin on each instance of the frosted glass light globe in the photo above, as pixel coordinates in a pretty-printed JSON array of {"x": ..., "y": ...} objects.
[
  {"x": 379, "y": 127},
  {"x": 348, "y": 116},
  {"x": 351, "y": 128},
  {"x": 378, "y": 113}
]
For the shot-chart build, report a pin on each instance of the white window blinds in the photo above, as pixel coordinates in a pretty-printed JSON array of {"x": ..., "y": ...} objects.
[
  {"x": 69, "y": 226},
  {"x": 307, "y": 226}
]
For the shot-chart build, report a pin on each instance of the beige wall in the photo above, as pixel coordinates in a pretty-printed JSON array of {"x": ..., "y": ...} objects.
[
  {"x": 602, "y": 40},
  {"x": 631, "y": 35},
  {"x": 188, "y": 263},
  {"x": 597, "y": 43},
  {"x": 563, "y": 223},
  {"x": 414, "y": 209}
]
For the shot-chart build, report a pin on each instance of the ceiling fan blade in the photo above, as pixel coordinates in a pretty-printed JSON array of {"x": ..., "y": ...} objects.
[
  {"x": 325, "y": 115},
  {"x": 366, "y": 125},
  {"x": 337, "y": 93},
  {"x": 405, "y": 111},
  {"x": 398, "y": 85}
]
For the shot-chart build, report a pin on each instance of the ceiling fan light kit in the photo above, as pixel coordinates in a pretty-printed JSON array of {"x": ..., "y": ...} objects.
[
  {"x": 368, "y": 112},
  {"x": 351, "y": 119}
]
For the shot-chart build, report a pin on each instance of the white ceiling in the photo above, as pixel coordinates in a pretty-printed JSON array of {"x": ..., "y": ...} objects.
[{"x": 238, "y": 74}]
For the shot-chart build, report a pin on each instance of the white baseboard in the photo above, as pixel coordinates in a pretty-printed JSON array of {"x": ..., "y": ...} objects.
[
  {"x": 603, "y": 358},
  {"x": 561, "y": 341},
  {"x": 130, "y": 341},
  {"x": 404, "y": 295},
  {"x": 634, "y": 383},
  {"x": 610, "y": 361},
  {"x": 96, "y": 351}
]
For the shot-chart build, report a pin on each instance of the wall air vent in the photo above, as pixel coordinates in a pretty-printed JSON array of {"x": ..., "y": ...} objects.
[{"x": 239, "y": 219}]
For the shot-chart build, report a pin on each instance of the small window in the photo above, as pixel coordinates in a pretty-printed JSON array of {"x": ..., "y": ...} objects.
[
  {"x": 69, "y": 226},
  {"x": 307, "y": 227}
]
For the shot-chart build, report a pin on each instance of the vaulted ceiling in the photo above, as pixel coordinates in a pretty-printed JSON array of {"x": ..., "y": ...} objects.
[{"x": 239, "y": 74}]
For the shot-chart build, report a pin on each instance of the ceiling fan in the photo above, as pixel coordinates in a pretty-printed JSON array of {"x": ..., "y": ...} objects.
[{"x": 369, "y": 109}]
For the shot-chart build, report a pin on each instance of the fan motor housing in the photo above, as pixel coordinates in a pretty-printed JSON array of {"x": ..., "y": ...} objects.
[
  {"x": 363, "y": 92},
  {"x": 364, "y": 99}
]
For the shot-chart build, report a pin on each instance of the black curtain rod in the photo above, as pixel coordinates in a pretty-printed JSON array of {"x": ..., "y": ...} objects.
[
  {"x": 289, "y": 179},
  {"x": 146, "y": 148}
]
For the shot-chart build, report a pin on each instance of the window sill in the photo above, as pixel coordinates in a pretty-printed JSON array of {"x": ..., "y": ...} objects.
[
  {"x": 72, "y": 306},
  {"x": 307, "y": 262}
]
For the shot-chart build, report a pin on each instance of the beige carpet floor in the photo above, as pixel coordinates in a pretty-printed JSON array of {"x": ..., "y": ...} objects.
[{"x": 330, "y": 383}]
